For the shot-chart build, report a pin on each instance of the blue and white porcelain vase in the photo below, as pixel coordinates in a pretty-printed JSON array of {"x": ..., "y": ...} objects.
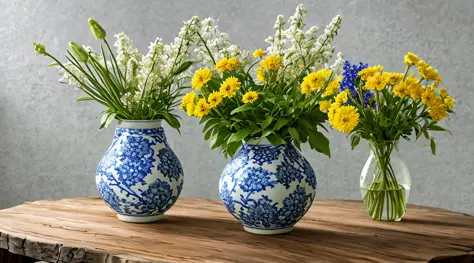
[
  {"x": 139, "y": 176},
  {"x": 268, "y": 188}
]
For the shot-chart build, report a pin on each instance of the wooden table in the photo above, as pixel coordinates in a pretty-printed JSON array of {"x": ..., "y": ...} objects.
[{"x": 198, "y": 230}]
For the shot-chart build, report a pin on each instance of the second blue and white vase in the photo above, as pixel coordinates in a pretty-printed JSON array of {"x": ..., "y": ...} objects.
[
  {"x": 139, "y": 176},
  {"x": 268, "y": 188}
]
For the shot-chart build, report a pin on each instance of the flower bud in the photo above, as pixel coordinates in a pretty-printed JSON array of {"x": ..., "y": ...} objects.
[
  {"x": 79, "y": 51},
  {"x": 40, "y": 49},
  {"x": 97, "y": 30}
]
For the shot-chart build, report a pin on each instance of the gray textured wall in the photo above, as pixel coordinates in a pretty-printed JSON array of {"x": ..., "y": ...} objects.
[{"x": 50, "y": 145}]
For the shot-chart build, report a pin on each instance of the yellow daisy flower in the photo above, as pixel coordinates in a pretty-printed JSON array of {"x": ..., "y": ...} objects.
[
  {"x": 377, "y": 81},
  {"x": 250, "y": 97},
  {"x": 369, "y": 72},
  {"x": 201, "y": 77},
  {"x": 332, "y": 87},
  {"x": 427, "y": 71},
  {"x": 232, "y": 64},
  {"x": 202, "y": 108},
  {"x": 259, "y": 53},
  {"x": 438, "y": 112},
  {"x": 214, "y": 99},
  {"x": 221, "y": 66},
  {"x": 393, "y": 77},
  {"x": 190, "y": 107},
  {"x": 341, "y": 98},
  {"x": 449, "y": 102},
  {"x": 306, "y": 88},
  {"x": 411, "y": 59},
  {"x": 260, "y": 74},
  {"x": 229, "y": 87},
  {"x": 345, "y": 119},
  {"x": 443, "y": 92},
  {"x": 188, "y": 98},
  {"x": 272, "y": 62},
  {"x": 428, "y": 98},
  {"x": 324, "y": 105}
]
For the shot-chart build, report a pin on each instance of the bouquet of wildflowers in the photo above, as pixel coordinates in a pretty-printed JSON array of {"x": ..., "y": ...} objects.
[
  {"x": 130, "y": 85},
  {"x": 277, "y": 94},
  {"x": 382, "y": 107}
]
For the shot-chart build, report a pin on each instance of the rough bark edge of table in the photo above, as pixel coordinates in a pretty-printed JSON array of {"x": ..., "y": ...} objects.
[{"x": 43, "y": 250}]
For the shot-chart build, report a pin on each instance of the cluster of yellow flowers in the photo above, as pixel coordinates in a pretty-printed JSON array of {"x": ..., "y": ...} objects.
[
  {"x": 200, "y": 106},
  {"x": 229, "y": 64},
  {"x": 345, "y": 117}
]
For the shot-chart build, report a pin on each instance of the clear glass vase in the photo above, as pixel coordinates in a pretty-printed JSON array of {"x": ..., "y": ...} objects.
[{"x": 385, "y": 182}]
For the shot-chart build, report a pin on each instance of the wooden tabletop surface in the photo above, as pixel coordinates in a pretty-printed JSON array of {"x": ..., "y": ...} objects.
[{"x": 198, "y": 230}]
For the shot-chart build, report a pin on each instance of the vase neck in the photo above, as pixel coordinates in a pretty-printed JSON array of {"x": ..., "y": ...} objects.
[
  {"x": 384, "y": 148},
  {"x": 140, "y": 124}
]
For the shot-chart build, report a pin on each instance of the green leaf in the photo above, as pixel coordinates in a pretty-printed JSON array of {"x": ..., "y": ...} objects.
[
  {"x": 433, "y": 146},
  {"x": 238, "y": 136},
  {"x": 434, "y": 127},
  {"x": 267, "y": 122},
  {"x": 182, "y": 68},
  {"x": 296, "y": 137},
  {"x": 208, "y": 134},
  {"x": 218, "y": 140},
  {"x": 355, "y": 140},
  {"x": 319, "y": 142},
  {"x": 427, "y": 135},
  {"x": 275, "y": 139},
  {"x": 233, "y": 147},
  {"x": 172, "y": 121},
  {"x": 266, "y": 133},
  {"x": 242, "y": 108},
  {"x": 84, "y": 99},
  {"x": 280, "y": 123},
  {"x": 204, "y": 119},
  {"x": 211, "y": 123}
]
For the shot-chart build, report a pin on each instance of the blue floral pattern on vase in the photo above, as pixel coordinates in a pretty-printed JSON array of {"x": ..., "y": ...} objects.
[
  {"x": 268, "y": 187},
  {"x": 140, "y": 175}
]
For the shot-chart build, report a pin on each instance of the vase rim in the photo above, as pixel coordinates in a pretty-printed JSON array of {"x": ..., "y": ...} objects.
[
  {"x": 140, "y": 124},
  {"x": 260, "y": 141}
]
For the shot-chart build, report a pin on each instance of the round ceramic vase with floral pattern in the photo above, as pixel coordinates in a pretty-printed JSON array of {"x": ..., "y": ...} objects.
[
  {"x": 139, "y": 176},
  {"x": 268, "y": 188}
]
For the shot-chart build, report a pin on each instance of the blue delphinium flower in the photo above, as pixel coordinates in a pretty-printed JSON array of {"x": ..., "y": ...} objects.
[{"x": 349, "y": 76}]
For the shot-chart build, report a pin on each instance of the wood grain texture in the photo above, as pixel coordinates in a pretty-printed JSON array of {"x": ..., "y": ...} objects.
[{"x": 198, "y": 230}]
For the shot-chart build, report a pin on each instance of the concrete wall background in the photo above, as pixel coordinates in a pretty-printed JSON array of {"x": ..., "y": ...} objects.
[{"x": 50, "y": 145}]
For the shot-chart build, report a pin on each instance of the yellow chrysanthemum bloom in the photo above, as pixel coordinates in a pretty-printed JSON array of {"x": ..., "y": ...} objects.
[
  {"x": 411, "y": 59},
  {"x": 317, "y": 79},
  {"x": 306, "y": 88},
  {"x": 427, "y": 71},
  {"x": 232, "y": 63},
  {"x": 260, "y": 74},
  {"x": 438, "y": 112},
  {"x": 428, "y": 98},
  {"x": 272, "y": 62},
  {"x": 369, "y": 72},
  {"x": 229, "y": 87},
  {"x": 331, "y": 112},
  {"x": 332, "y": 87},
  {"x": 377, "y": 81},
  {"x": 201, "y": 77},
  {"x": 221, "y": 66},
  {"x": 443, "y": 92},
  {"x": 202, "y": 108},
  {"x": 190, "y": 107},
  {"x": 188, "y": 98},
  {"x": 393, "y": 77},
  {"x": 449, "y": 102},
  {"x": 259, "y": 53},
  {"x": 341, "y": 98},
  {"x": 324, "y": 105},
  {"x": 345, "y": 119},
  {"x": 415, "y": 91},
  {"x": 250, "y": 97},
  {"x": 214, "y": 99},
  {"x": 401, "y": 90}
]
